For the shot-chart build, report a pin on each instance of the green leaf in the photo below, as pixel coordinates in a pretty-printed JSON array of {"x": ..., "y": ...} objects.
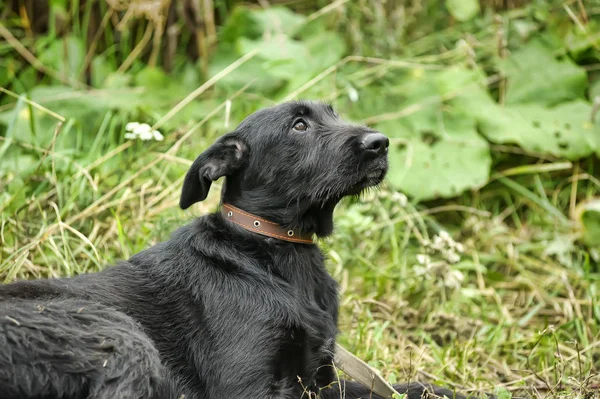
[
  {"x": 254, "y": 23},
  {"x": 563, "y": 130},
  {"x": 65, "y": 56},
  {"x": 252, "y": 71},
  {"x": 152, "y": 78},
  {"x": 278, "y": 19},
  {"x": 436, "y": 150},
  {"x": 283, "y": 63},
  {"x": 100, "y": 70},
  {"x": 116, "y": 80},
  {"x": 26, "y": 79},
  {"x": 438, "y": 144},
  {"x": 240, "y": 23},
  {"x": 463, "y": 10},
  {"x": 503, "y": 393},
  {"x": 535, "y": 75},
  {"x": 442, "y": 162},
  {"x": 581, "y": 44},
  {"x": 325, "y": 49},
  {"x": 85, "y": 109},
  {"x": 279, "y": 47}
]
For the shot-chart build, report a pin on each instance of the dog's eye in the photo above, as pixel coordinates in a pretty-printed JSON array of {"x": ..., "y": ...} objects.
[{"x": 300, "y": 126}]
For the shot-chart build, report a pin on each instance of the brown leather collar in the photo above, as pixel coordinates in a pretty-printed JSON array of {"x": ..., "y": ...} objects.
[{"x": 261, "y": 226}]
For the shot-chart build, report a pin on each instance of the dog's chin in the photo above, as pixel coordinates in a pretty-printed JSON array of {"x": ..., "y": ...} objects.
[{"x": 370, "y": 179}]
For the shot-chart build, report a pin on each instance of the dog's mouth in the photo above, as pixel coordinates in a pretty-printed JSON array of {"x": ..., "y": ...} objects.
[{"x": 371, "y": 178}]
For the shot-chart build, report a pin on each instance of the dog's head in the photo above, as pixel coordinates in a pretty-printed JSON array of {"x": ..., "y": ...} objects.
[{"x": 292, "y": 164}]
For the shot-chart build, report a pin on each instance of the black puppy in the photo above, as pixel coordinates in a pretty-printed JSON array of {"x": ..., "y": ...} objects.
[{"x": 236, "y": 304}]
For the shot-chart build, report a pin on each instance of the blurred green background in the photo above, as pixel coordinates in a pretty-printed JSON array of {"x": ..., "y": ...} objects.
[{"x": 475, "y": 266}]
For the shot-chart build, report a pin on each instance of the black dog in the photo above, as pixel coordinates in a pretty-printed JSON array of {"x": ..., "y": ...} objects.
[{"x": 225, "y": 308}]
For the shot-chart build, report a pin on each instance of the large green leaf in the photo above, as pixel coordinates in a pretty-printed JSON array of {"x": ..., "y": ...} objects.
[
  {"x": 436, "y": 150},
  {"x": 562, "y": 130},
  {"x": 438, "y": 139},
  {"x": 247, "y": 29},
  {"x": 535, "y": 75},
  {"x": 429, "y": 167}
]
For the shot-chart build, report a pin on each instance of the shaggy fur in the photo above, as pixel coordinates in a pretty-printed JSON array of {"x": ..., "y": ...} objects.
[
  {"x": 73, "y": 348},
  {"x": 216, "y": 311}
]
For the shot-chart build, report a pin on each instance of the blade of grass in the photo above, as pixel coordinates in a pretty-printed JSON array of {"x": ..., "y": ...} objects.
[{"x": 545, "y": 205}]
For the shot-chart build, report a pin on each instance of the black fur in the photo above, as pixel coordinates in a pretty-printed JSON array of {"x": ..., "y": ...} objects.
[
  {"x": 216, "y": 311},
  {"x": 73, "y": 348}
]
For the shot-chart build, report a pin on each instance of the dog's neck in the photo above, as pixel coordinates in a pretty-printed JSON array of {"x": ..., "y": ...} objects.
[
  {"x": 259, "y": 225},
  {"x": 307, "y": 219}
]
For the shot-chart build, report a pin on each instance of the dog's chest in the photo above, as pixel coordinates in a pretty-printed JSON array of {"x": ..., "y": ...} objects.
[
  {"x": 301, "y": 351},
  {"x": 274, "y": 319},
  {"x": 306, "y": 337}
]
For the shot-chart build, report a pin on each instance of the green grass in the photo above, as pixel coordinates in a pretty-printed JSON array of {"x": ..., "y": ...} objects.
[{"x": 490, "y": 289}]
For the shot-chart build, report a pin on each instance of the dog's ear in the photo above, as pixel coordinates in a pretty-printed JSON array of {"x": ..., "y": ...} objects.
[{"x": 222, "y": 158}]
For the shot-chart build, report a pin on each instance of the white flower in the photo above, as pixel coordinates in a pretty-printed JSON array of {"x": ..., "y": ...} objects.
[
  {"x": 146, "y": 135},
  {"x": 454, "y": 279},
  {"x": 352, "y": 94},
  {"x": 445, "y": 236},
  {"x": 452, "y": 257},
  {"x": 157, "y": 135},
  {"x": 142, "y": 128},
  {"x": 401, "y": 198},
  {"x": 131, "y": 125},
  {"x": 438, "y": 243},
  {"x": 142, "y": 131},
  {"x": 422, "y": 259}
]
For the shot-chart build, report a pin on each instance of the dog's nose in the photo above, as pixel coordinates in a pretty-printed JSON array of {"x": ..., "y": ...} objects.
[{"x": 376, "y": 142}]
